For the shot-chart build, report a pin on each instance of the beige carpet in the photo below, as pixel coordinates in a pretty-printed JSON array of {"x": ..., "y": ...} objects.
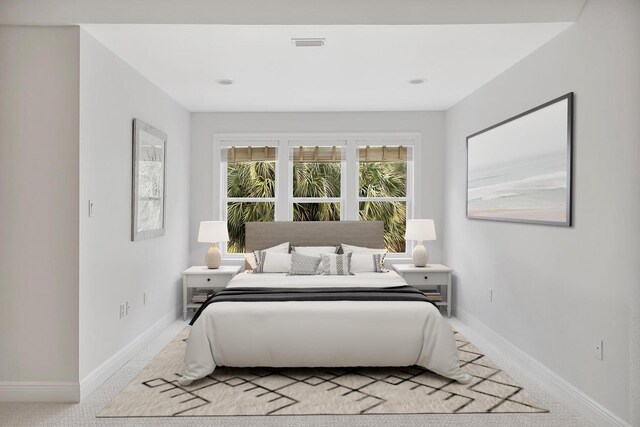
[{"x": 313, "y": 391}]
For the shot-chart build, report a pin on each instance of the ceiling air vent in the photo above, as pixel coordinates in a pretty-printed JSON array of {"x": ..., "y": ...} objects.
[{"x": 308, "y": 42}]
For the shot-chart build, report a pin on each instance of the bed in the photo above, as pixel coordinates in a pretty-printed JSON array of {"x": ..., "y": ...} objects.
[{"x": 320, "y": 333}]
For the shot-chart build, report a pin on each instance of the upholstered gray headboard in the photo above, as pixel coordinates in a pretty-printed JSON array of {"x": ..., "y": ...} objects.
[{"x": 262, "y": 235}]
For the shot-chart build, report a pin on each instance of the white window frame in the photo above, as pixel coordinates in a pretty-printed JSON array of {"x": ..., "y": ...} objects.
[
  {"x": 284, "y": 142},
  {"x": 291, "y": 146},
  {"x": 408, "y": 198}
]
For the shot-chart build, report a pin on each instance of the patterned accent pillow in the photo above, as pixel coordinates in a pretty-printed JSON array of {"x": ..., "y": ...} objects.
[
  {"x": 315, "y": 251},
  {"x": 378, "y": 261},
  {"x": 250, "y": 259},
  {"x": 336, "y": 264},
  {"x": 303, "y": 264}
]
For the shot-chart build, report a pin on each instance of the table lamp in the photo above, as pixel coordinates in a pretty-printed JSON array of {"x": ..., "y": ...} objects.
[
  {"x": 420, "y": 230},
  {"x": 213, "y": 232}
]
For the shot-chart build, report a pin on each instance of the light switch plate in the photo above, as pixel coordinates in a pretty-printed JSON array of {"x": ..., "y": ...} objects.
[
  {"x": 600, "y": 350},
  {"x": 92, "y": 208}
]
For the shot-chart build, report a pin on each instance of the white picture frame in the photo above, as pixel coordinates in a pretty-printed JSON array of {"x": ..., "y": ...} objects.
[{"x": 148, "y": 213}]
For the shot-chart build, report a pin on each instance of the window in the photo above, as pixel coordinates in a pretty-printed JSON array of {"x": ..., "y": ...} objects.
[
  {"x": 250, "y": 190},
  {"x": 315, "y": 178},
  {"x": 317, "y": 183},
  {"x": 382, "y": 191}
]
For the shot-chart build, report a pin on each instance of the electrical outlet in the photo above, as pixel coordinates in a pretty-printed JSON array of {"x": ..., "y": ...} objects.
[
  {"x": 122, "y": 310},
  {"x": 490, "y": 295},
  {"x": 599, "y": 350},
  {"x": 145, "y": 297}
]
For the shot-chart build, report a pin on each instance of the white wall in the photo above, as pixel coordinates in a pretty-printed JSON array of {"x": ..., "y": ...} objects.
[
  {"x": 559, "y": 290},
  {"x": 38, "y": 200},
  {"x": 429, "y": 170},
  {"x": 114, "y": 269}
]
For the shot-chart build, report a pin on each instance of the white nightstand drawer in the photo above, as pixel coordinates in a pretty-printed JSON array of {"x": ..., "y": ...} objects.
[
  {"x": 424, "y": 279},
  {"x": 197, "y": 281}
]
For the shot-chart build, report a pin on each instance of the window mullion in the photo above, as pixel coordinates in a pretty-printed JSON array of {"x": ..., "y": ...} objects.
[
  {"x": 290, "y": 178},
  {"x": 350, "y": 182},
  {"x": 220, "y": 156},
  {"x": 283, "y": 178}
]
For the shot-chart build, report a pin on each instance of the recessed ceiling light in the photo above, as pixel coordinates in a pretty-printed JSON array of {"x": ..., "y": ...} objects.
[
  {"x": 225, "y": 82},
  {"x": 417, "y": 81}
]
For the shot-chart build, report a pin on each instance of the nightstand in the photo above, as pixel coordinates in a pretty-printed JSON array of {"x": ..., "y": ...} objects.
[
  {"x": 201, "y": 277},
  {"x": 429, "y": 277}
]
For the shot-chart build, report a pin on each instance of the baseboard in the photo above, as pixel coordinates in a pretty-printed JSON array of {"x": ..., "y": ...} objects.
[
  {"x": 99, "y": 375},
  {"x": 43, "y": 391},
  {"x": 585, "y": 405}
]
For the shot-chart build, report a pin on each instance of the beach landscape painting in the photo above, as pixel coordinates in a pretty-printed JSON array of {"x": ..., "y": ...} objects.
[{"x": 519, "y": 170}]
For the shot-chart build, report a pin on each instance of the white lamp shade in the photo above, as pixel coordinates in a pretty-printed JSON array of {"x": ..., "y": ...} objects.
[
  {"x": 213, "y": 231},
  {"x": 420, "y": 229}
]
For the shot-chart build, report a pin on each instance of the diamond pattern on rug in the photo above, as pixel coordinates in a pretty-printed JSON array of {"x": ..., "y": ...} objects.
[{"x": 155, "y": 392}]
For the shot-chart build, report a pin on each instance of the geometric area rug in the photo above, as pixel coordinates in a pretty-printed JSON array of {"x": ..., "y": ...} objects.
[{"x": 155, "y": 392}]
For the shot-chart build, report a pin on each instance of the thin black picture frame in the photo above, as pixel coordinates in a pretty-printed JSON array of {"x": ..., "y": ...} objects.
[{"x": 569, "y": 147}]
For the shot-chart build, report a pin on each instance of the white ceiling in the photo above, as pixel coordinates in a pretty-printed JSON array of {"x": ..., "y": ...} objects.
[
  {"x": 361, "y": 67},
  {"x": 287, "y": 12}
]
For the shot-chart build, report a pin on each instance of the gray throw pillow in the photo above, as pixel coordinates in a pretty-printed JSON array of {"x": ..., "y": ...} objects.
[{"x": 303, "y": 264}]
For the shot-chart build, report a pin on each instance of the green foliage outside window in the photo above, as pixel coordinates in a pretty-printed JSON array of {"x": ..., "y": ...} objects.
[
  {"x": 316, "y": 180},
  {"x": 385, "y": 179},
  {"x": 250, "y": 179},
  {"x": 257, "y": 180}
]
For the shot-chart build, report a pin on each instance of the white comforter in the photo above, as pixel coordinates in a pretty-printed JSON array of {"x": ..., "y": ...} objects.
[{"x": 321, "y": 333}]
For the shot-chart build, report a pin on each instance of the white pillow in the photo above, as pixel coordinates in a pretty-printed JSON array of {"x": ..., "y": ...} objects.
[
  {"x": 314, "y": 250},
  {"x": 272, "y": 262},
  {"x": 281, "y": 248},
  {"x": 250, "y": 258},
  {"x": 363, "y": 263},
  {"x": 361, "y": 250}
]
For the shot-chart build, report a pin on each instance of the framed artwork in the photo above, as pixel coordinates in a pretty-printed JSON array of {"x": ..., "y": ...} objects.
[
  {"x": 519, "y": 170},
  {"x": 148, "y": 183}
]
